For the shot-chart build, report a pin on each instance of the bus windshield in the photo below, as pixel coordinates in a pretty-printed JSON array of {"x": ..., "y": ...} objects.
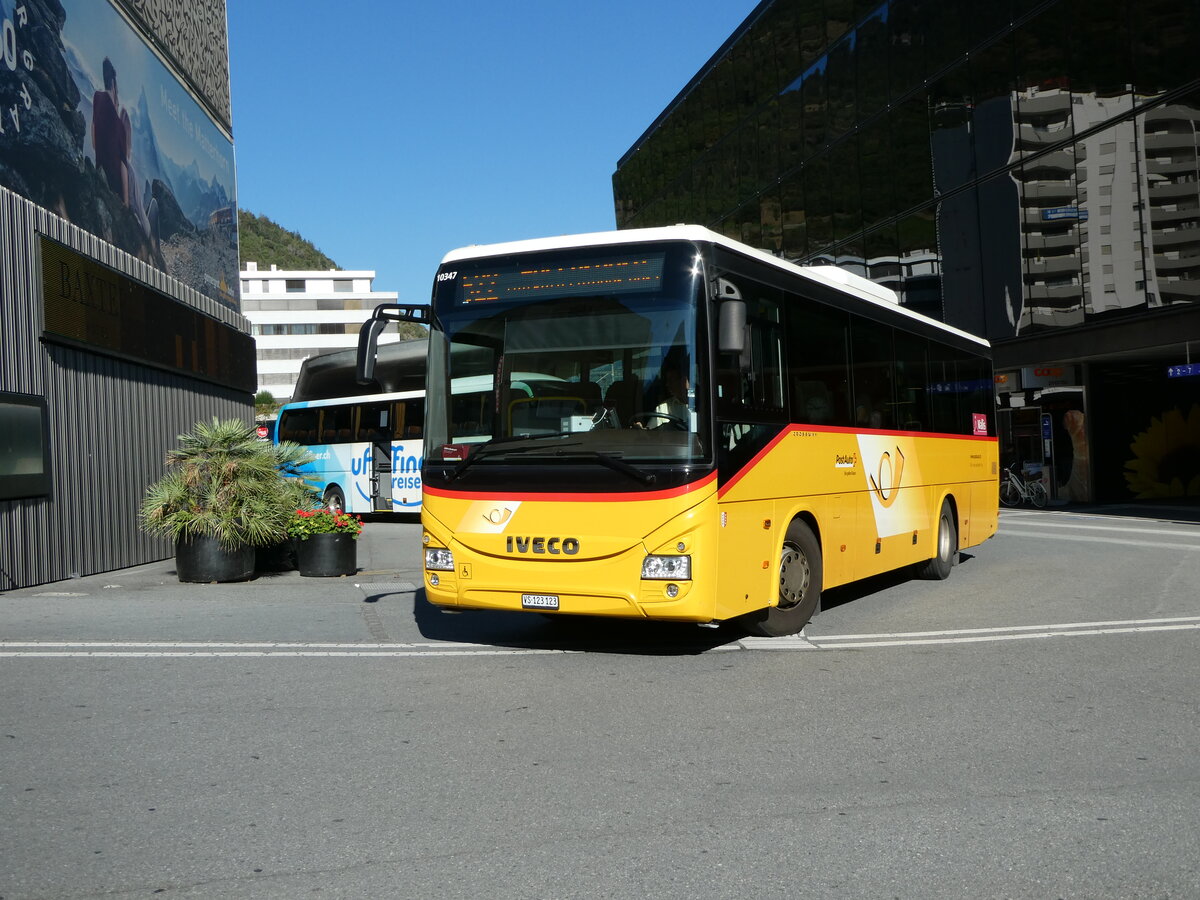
[{"x": 593, "y": 354}]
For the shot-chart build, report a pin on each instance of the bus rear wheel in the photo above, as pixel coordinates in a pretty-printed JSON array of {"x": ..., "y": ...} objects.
[
  {"x": 335, "y": 500},
  {"x": 938, "y": 568},
  {"x": 800, "y": 581}
]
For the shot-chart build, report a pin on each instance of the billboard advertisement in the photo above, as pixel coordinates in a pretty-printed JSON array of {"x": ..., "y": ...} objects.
[{"x": 95, "y": 128}]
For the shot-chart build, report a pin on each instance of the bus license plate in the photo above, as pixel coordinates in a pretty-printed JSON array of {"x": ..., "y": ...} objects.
[{"x": 539, "y": 601}]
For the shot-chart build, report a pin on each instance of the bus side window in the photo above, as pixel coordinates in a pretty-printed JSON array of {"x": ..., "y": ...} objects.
[
  {"x": 873, "y": 358},
  {"x": 976, "y": 397},
  {"x": 410, "y": 421},
  {"x": 299, "y": 425},
  {"x": 750, "y": 385},
  {"x": 336, "y": 424},
  {"x": 912, "y": 379},
  {"x": 818, "y": 363},
  {"x": 942, "y": 389},
  {"x": 374, "y": 422}
]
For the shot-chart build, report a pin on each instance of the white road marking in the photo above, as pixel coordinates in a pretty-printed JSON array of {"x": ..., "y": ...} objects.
[
  {"x": 1090, "y": 539},
  {"x": 1194, "y": 533},
  {"x": 429, "y": 650}
]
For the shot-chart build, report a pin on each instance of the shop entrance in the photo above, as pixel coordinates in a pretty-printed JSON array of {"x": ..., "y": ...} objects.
[{"x": 1020, "y": 432}]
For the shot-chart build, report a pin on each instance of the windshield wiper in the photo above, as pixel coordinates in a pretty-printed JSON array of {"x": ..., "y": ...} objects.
[
  {"x": 614, "y": 463},
  {"x": 489, "y": 448}
]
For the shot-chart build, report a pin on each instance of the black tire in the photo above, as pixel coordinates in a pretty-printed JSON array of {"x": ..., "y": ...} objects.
[
  {"x": 1037, "y": 494},
  {"x": 335, "y": 500},
  {"x": 800, "y": 580},
  {"x": 939, "y": 568},
  {"x": 1009, "y": 495}
]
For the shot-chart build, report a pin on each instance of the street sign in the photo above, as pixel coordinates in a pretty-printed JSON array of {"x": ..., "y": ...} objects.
[
  {"x": 1184, "y": 371},
  {"x": 1064, "y": 212}
]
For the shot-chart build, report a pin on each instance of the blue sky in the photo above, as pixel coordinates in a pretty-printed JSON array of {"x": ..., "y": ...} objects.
[{"x": 389, "y": 133}]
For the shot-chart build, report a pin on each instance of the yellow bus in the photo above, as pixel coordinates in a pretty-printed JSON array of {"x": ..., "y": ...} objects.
[{"x": 714, "y": 433}]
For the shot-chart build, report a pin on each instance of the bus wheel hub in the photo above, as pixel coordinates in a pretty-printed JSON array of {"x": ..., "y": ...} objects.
[{"x": 794, "y": 576}]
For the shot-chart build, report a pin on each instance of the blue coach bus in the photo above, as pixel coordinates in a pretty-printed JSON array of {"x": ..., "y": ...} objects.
[{"x": 369, "y": 449}]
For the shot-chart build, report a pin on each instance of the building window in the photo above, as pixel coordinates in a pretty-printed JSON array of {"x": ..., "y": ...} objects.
[
  {"x": 24, "y": 447},
  {"x": 294, "y": 285},
  {"x": 343, "y": 286}
]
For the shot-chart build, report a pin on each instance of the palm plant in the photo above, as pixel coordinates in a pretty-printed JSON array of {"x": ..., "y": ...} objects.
[{"x": 224, "y": 483}]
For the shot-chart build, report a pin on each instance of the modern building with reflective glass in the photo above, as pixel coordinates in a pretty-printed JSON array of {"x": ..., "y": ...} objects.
[{"x": 1028, "y": 171}]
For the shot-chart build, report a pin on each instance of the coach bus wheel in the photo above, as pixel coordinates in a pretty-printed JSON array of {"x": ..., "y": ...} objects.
[
  {"x": 939, "y": 567},
  {"x": 799, "y": 586},
  {"x": 335, "y": 500}
]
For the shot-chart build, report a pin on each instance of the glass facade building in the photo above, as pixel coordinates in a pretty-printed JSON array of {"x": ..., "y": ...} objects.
[{"x": 1027, "y": 171}]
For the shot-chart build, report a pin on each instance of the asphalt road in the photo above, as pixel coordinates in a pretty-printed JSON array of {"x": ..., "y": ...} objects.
[{"x": 1027, "y": 728}]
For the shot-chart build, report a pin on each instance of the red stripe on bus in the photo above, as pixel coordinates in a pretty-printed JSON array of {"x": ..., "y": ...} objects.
[
  {"x": 667, "y": 494},
  {"x": 783, "y": 432}
]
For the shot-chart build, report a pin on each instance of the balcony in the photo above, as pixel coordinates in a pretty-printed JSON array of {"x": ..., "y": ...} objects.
[
  {"x": 1052, "y": 241},
  {"x": 1048, "y": 267},
  {"x": 1181, "y": 237}
]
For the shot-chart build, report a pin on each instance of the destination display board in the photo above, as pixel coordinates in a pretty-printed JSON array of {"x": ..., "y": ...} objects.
[{"x": 489, "y": 283}]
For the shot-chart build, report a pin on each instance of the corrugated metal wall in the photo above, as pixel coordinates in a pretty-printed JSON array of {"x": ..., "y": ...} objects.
[{"x": 110, "y": 422}]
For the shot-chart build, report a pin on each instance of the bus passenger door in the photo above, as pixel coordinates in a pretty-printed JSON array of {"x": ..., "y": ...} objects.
[
  {"x": 381, "y": 476},
  {"x": 377, "y": 426}
]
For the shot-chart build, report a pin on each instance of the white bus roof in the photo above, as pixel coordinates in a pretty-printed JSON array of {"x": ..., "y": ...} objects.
[
  {"x": 830, "y": 276},
  {"x": 356, "y": 398}
]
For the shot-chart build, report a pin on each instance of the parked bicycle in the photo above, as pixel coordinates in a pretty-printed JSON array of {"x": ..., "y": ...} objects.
[{"x": 1014, "y": 490}]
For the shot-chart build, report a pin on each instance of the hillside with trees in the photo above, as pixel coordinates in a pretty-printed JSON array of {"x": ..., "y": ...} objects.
[{"x": 267, "y": 243}]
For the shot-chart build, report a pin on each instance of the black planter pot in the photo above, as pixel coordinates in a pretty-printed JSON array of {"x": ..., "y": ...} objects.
[
  {"x": 327, "y": 555},
  {"x": 203, "y": 559}
]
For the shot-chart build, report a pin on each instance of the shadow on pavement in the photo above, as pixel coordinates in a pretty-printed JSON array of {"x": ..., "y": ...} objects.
[
  {"x": 547, "y": 631},
  {"x": 857, "y": 590}
]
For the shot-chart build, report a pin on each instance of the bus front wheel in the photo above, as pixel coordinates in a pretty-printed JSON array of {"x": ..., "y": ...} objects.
[
  {"x": 335, "y": 500},
  {"x": 800, "y": 580}
]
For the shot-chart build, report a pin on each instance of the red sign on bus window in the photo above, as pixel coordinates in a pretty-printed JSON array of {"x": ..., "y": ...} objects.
[{"x": 979, "y": 424}]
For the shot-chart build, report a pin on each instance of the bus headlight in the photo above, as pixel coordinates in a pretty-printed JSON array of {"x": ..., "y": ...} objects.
[
  {"x": 667, "y": 568},
  {"x": 439, "y": 559}
]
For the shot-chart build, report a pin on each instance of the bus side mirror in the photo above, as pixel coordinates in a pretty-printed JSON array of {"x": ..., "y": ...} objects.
[
  {"x": 731, "y": 329},
  {"x": 368, "y": 346},
  {"x": 368, "y": 335}
]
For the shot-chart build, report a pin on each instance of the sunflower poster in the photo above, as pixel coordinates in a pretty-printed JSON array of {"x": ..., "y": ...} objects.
[{"x": 1165, "y": 459}]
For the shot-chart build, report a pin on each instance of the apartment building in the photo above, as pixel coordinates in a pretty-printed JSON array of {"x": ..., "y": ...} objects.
[{"x": 297, "y": 314}]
